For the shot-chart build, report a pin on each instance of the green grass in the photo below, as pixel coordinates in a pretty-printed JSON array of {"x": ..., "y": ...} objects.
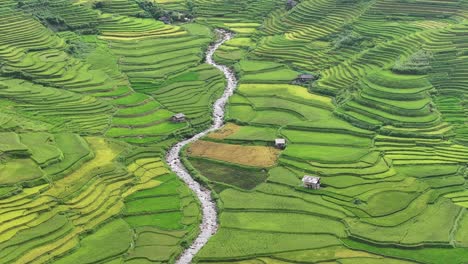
[
  {"x": 19, "y": 170},
  {"x": 148, "y": 238},
  {"x": 10, "y": 142},
  {"x": 155, "y": 204},
  {"x": 43, "y": 147},
  {"x": 275, "y": 117},
  {"x": 283, "y": 75},
  {"x": 237, "y": 200},
  {"x": 160, "y": 220},
  {"x": 160, "y": 115},
  {"x": 426, "y": 255},
  {"x": 230, "y": 174},
  {"x": 111, "y": 240},
  {"x": 138, "y": 110},
  {"x": 310, "y": 137},
  {"x": 158, "y": 129},
  {"x": 153, "y": 253},
  {"x": 285, "y": 223},
  {"x": 332, "y": 154},
  {"x": 75, "y": 150},
  {"x": 388, "y": 202},
  {"x": 7, "y": 190},
  {"x": 167, "y": 188},
  {"x": 250, "y": 243},
  {"x": 428, "y": 170},
  {"x": 250, "y": 133},
  {"x": 426, "y": 227},
  {"x": 28, "y": 239}
]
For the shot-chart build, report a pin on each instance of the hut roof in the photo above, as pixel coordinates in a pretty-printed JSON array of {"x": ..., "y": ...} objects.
[
  {"x": 310, "y": 179},
  {"x": 306, "y": 76},
  {"x": 280, "y": 141},
  {"x": 179, "y": 115}
]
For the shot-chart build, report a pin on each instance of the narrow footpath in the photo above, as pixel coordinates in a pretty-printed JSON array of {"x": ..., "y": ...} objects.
[{"x": 209, "y": 224}]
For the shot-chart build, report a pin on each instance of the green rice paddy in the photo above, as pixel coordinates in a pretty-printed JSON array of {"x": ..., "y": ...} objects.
[{"x": 88, "y": 87}]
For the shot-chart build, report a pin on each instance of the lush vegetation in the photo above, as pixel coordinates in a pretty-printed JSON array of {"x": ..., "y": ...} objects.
[
  {"x": 82, "y": 176},
  {"x": 382, "y": 126},
  {"x": 88, "y": 87}
]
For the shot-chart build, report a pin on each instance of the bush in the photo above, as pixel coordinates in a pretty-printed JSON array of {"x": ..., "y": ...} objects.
[
  {"x": 155, "y": 11},
  {"x": 418, "y": 63},
  {"x": 49, "y": 13},
  {"x": 290, "y": 4},
  {"x": 347, "y": 39},
  {"x": 151, "y": 9},
  {"x": 98, "y": 5},
  {"x": 42, "y": 11},
  {"x": 78, "y": 48}
]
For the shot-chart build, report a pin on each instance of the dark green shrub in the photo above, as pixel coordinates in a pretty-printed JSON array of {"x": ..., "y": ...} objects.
[
  {"x": 417, "y": 63},
  {"x": 98, "y": 5},
  {"x": 155, "y": 11},
  {"x": 348, "y": 39}
]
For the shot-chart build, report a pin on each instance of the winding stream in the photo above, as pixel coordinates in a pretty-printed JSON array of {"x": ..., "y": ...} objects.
[{"x": 209, "y": 224}]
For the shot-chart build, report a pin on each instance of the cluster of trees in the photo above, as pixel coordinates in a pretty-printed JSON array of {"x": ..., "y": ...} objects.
[
  {"x": 48, "y": 13},
  {"x": 417, "y": 63},
  {"x": 42, "y": 11},
  {"x": 153, "y": 10},
  {"x": 347, "y": 39},
  {"x": 78, "y": 48}
]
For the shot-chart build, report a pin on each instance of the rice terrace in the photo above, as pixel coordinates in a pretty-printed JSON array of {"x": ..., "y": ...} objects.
[{"x": 234, "y": 131}]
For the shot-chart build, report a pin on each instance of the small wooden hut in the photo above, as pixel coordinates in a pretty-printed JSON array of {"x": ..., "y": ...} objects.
[
  {"x": 280, "y": 143},
  {"x": 305, "y": 78},
  {"x": 311, "y": 182},
  {"x": 178, "y": 118}
]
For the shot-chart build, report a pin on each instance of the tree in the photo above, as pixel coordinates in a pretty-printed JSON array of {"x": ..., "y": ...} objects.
[{"x": 290, "y": 4}]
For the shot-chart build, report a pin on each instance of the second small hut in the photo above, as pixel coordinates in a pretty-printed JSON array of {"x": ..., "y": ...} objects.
[{"x": 311, "y": 182}]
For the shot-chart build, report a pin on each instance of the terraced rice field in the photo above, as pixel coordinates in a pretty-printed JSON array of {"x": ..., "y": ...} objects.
[{"x": 88, "y": 89}]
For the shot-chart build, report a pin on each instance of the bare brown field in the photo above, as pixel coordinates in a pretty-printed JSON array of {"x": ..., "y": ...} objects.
[{"x": 256, "y": 156}]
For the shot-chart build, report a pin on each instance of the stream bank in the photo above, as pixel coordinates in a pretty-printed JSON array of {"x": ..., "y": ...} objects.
[{"x": 209, "y": 224}]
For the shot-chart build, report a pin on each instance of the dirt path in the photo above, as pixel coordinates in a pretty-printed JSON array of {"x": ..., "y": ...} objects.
[{"x": 209, "y": 224}]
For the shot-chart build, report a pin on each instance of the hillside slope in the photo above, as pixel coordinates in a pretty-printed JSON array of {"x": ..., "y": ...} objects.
[{"x": 88, "y": 89}]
